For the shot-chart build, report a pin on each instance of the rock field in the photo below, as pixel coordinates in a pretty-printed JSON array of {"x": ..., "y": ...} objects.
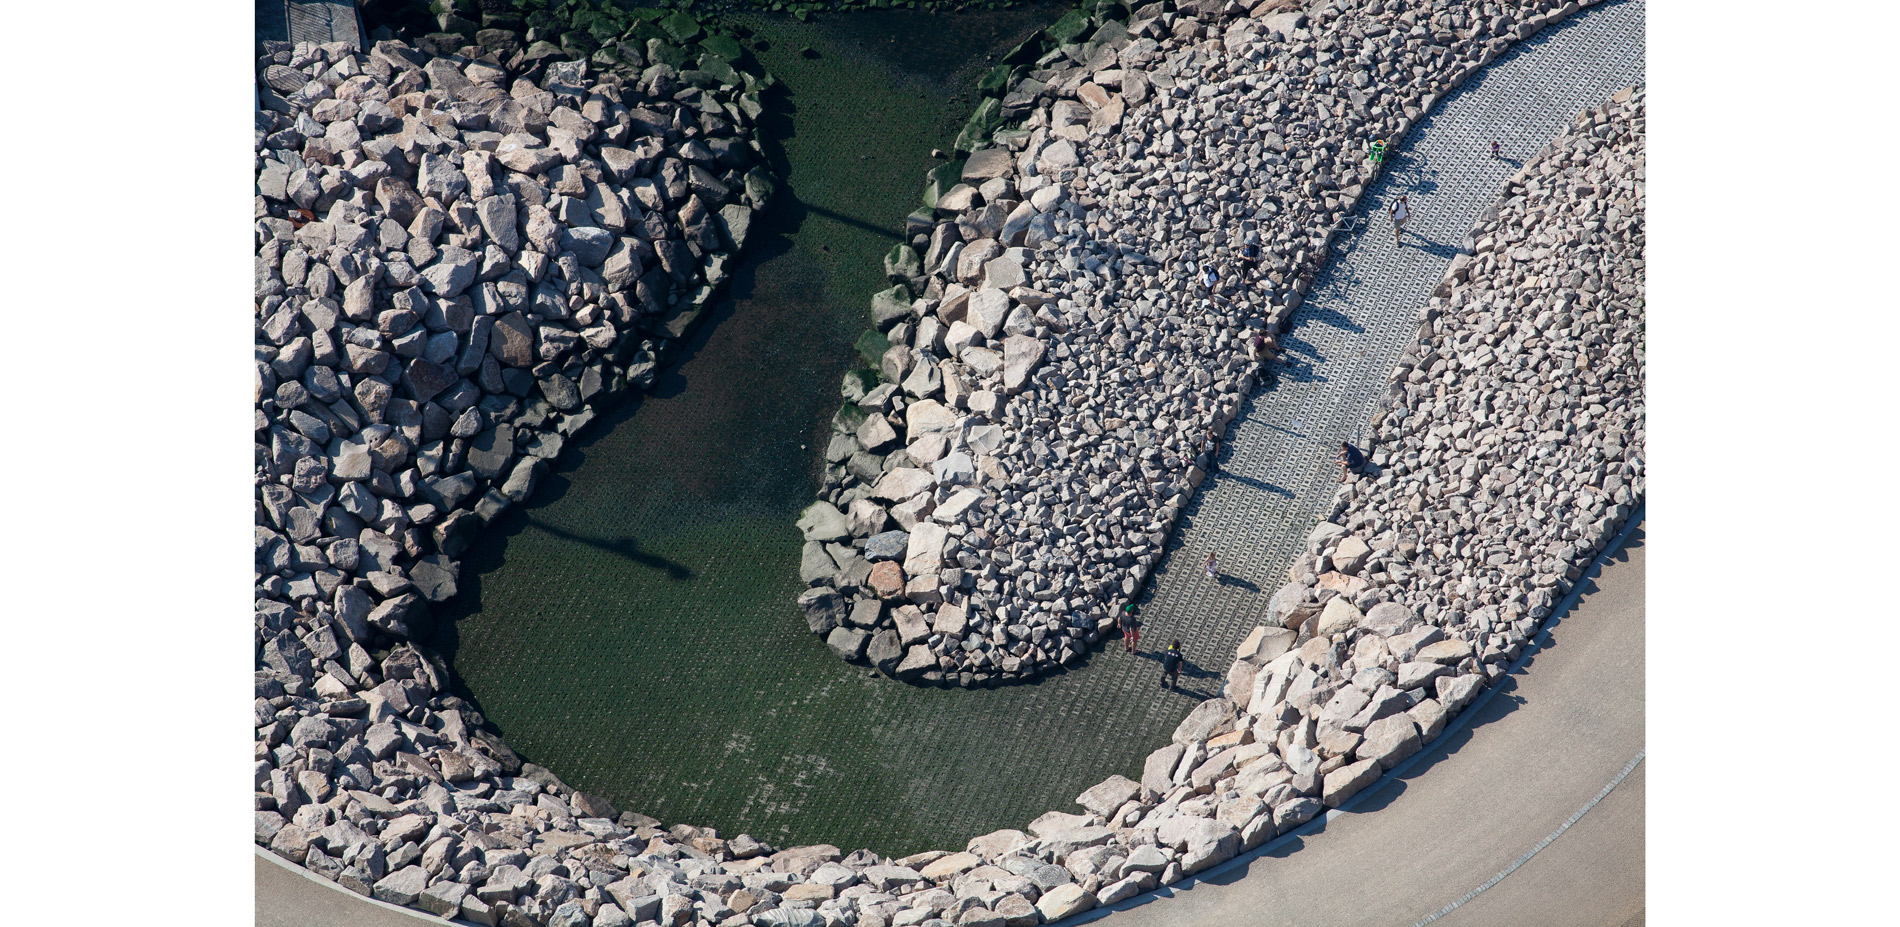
[
  {"x": 461, "y": 257},
  {"x": 1007, "y": 477}
]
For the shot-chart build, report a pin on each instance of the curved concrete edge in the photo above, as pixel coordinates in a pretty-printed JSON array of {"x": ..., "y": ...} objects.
[
  {"x": 416, "y": 914},
  {"x": 1318, "y": 824}
]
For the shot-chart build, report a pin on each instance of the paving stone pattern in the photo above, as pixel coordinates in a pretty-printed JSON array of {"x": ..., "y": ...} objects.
[{"x": 1277, "y": 475}]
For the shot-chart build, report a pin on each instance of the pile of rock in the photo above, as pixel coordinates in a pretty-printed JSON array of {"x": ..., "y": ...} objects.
[
  {"x": 1050, "y": 361},
  {"x": 456, "y": 263},
  {"x": 368, "y": 773},
  {"x": 1511, "y": 453}
]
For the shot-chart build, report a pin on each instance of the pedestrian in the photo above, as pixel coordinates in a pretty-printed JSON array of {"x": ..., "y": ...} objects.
[
  {"x": 1131, "y": 629},
  {"x": 1210, "y": 566},
  {"x": 1350, "y": 460},
  {"x": 1401, "y": 211},
  {"x": 1495, "y": 154},
  {"x": 1171, "y": 665},
  {"x": 1264, "y": 347},
  {"x": 1250, "y": 255},
  {"x": 1210, "y": 446},
  {"x": 1210, "y": 279}
]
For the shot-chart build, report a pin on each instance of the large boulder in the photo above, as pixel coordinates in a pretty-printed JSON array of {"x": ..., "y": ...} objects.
[
  {"x": 824, "y": 609},
  {"x": 1108, "y": 795},
  {"x": 1157, "y": 772},
  {"x": 1064, "y": 901},
  {"x": 1263, "y": 644},
  {"x": 821, "y": 521},
  {"x": 1338, "y": 617},
  {"x": 1208, "y": 719},
  {"x": 1021, "y": 356},
  {"x": 1346, "y": 781}
]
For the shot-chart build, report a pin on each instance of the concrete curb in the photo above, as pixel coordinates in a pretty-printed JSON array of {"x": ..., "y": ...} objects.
[
  {"x": 418, "y": 914},
  {"x": 1318, "y": 824}
]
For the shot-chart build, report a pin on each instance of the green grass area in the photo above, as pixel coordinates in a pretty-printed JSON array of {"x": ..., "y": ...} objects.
[{"x": 632, "y": 628}]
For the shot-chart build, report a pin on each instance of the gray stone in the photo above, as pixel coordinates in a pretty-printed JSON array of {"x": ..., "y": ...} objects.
[
  {"x": 589, "y": 245},
  {"x": 886, "y": 650},
  {"x": 1108, "y": 795},
  {"x": 402, "y": 886},
  {"x": 821, "y": 521},
  {"x": 888, "y": 545},
  {"x": 1157, "y": 772},
  {"x": 1210, "y": 718},
  {"x": 848, "y": 643},
  {"x": 1346, "y": 781}
]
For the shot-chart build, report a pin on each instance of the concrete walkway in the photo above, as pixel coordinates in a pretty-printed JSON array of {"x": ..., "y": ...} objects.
[{"x": 1557, "y": 732}]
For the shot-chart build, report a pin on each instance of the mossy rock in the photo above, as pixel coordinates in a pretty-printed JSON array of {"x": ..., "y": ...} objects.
[
  {"x": 644, "y": 32},
  {"x": 578, "y": 43},
  {"x": 983, "y": 124},
  {"x": 663, "y": 51},
  {"x": 940, "y": 179},
  {"x": 857, "y": 383},
  {"x": 1004, "y": 137},
  {"x": 1028, "y": 51},
  {"x": 995, "y": 82},
  {"x": 902, "y": 264},
  {"x": 849, "y": 417},
  {"x": 1070, "y": 27},
  {"x": 514, "y": 22},
  {"x": 682, "y": 26},
  {"x": 760, "y": 187},
  {"x": 719, "y": 68},
  {"x": 871, "y": 347},
  {"x": 889, "y": 307},
  {"x": 724, "y": 46}
]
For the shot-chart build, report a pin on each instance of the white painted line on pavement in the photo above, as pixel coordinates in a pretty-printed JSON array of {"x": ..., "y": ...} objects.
[{"x": 1541, "y": 844}]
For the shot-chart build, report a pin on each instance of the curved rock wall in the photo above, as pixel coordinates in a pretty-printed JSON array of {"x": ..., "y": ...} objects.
[
  {"x": 369, "y": 774},
  {"x": 456, "y": 264},
  {"x": 1053, "y": 362}
]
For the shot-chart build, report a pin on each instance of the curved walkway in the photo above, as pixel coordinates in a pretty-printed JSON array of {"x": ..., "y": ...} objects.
[
  {"x": 1558, "y": 730},
  {"x": 1277, "y": 476}
]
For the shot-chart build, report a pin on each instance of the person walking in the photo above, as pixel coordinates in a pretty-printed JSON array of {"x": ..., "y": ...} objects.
[
  {"x": 1496, "y": 155},
  {"x": 1131, "y": 629},
  {"x": 1210, "y": 566},
  {"x": 1350, "y": 460},
  {"x": 1401, "y": 211},
  {"x": 1171, "y": 665}
]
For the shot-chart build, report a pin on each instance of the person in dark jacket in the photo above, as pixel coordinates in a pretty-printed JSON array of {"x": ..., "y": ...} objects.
[
  {"x": 1171, "y": 665},
  {"x": 1350, "y": 461}
]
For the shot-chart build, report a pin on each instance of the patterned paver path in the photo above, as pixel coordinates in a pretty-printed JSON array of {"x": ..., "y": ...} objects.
[{"x": 1277, "y": 476}]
